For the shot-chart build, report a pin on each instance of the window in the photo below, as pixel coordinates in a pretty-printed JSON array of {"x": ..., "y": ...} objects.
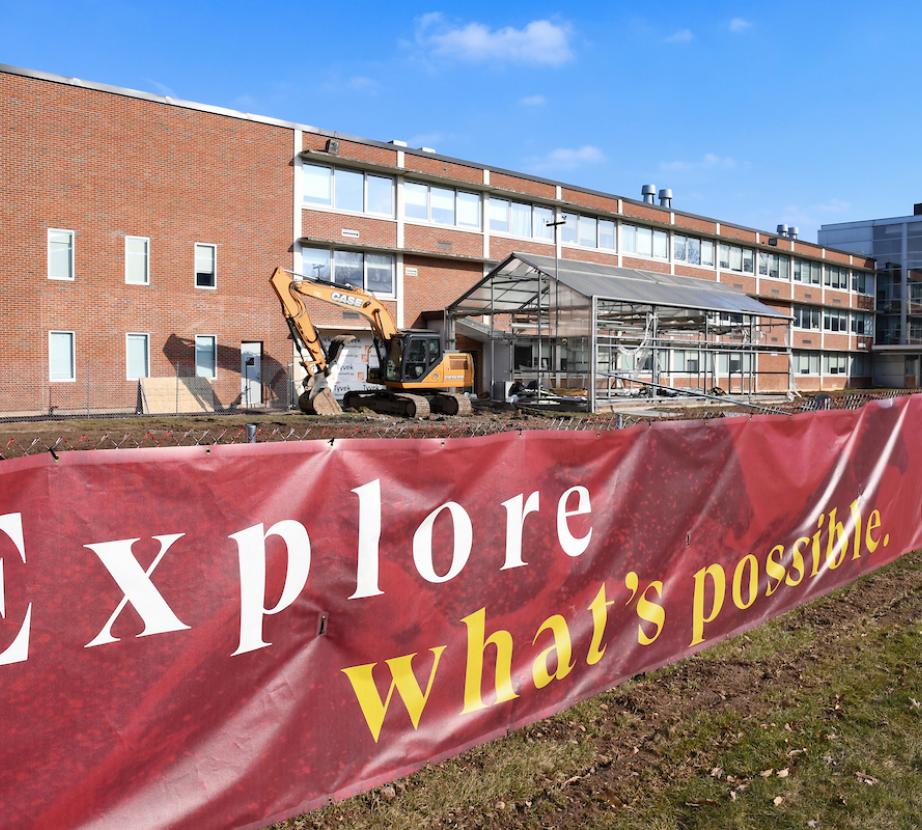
[
  {"x": 520, "y": 219},
  {"x": 776, "y": 266},
  {"x": 862, "y": 324},
  {"x": 806, "y": 363},
  {"x": 684, "y": 361},
  {"x": 60, "y": 254},
  {"x": 861, "y": 284},
  {"x": 137, "y": 356},
  {"x": 318, "y": 184},
  {"x": 836, "y": 277},
  {"x": 206, "y": 349},
  {"x": 136, "y": 260},
  {"x": 588, "y": 234},
  {"x": 707, "y": 252},
  {"x": 371, "y": 272},
  {"x": 379, "y": 273},
  {"x": 835, "y": 320},
  {"x": 415, "y": 201},
  {"x": 606, "y": 234},
  {"x": 808, "y": 272},
  {"x": 61, "y": 355},
  {"x": 441, "y": 206},
  {"x": 206, "y": 266},
  {"x": 645, "y": 242},
  {"x": 468, "y": 210},
  {"x": 834, "y": 364},
  {"x": 570, "y": 227},
  {"x": 541, "y": 216},
  {"x": 807, "y": 317},
  {"x": 315, "y": 262},
  {"x": 350, "y": 190},
  {"x": 735, "y": 258},
  {"x": 379, "y": 196},
  {"x": 348, "y": 268}
]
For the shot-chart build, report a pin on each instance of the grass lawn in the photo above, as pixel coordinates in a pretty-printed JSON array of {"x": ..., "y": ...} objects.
[{"x": 811, "y": 721}]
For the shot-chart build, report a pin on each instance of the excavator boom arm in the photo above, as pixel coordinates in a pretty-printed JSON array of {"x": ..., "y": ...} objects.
[{"x": 292, "y": 294}]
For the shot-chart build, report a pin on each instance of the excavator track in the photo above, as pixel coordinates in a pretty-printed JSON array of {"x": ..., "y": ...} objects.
[
  {"x": 449, "y": 403},
  {"x": 389, "y": 403}
]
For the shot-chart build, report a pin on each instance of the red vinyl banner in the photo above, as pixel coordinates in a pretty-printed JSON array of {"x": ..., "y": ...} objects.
[{"x": 221, "y": 637}]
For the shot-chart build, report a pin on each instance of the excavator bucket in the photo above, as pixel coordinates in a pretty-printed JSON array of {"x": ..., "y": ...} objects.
[
  {"x": 320, "y": 403},
  {"x": 318, "y": 399}
]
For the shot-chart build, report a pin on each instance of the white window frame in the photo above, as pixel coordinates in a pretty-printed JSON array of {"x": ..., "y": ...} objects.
[
  {"x": 331, "y": 206},
  {"x": 392, "y": 296},
  {"x": 146, "y": 336},
  {"x": 428, "y": 222},
  {"x": 146, "y": 261},
  {"x": 214, "y": 340},
  {"x": 73, "y": 250},
  {"x": 73, "y": 356},
  {"x": 214, "y": 247}
]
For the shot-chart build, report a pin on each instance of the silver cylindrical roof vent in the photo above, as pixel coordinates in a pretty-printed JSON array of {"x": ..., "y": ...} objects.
[
  {"x": 648, "y": 191},
  {"x": 793, "y": 231},
  {"x": 782, "y": 230},
  {"x": 665, "y": 197}
]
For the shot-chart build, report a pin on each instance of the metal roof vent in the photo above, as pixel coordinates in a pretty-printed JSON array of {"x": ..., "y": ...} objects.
[
  {"x": 428, "y": 149},
  {"x": 782, "y": 230},
  {"x": 793, "y": 232},
  {"x": 398, "y": 142},
  {"x": 665, "y": 197},
  {"x": 648, "y": 191}
]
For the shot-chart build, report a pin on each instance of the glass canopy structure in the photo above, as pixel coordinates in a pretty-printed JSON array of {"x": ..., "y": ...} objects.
[{"x": 597, "y": 333}]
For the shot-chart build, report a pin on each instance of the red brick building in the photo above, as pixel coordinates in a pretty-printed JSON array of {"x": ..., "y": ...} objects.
[{"x": 139, "y": 233}]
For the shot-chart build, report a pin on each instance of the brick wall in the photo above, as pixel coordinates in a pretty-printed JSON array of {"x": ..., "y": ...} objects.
[{"x": 107, "y": 166}]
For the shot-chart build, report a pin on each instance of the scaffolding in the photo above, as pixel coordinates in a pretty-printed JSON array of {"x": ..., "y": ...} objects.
[{"x": 594, "y": 334}]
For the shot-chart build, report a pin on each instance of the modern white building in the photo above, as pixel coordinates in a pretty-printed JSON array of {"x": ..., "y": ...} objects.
[{"x": 896, "y": 244}]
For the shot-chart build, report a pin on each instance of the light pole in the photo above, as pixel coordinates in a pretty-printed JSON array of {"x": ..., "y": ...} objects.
[{"x": 555, "y": 223}]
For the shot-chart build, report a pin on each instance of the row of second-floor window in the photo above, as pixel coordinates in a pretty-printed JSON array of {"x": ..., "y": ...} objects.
[
  {"x": 62, "y": 356},
  {"x": 62, "y": 250},
  {"x": 831, "y": 363},
  {"x": 814, "y": 318},
  {"x": 369, "y": 271},
  {"x": 356, "y": 191}
]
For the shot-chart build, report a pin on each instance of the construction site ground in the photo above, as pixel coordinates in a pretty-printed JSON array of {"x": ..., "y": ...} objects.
[
  {"x": 30, "y": 435},
  {"x": 811, "y": 721}
]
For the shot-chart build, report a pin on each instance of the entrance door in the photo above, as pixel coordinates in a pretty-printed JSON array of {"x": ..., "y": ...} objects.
[{"x": 251, "y": 388}]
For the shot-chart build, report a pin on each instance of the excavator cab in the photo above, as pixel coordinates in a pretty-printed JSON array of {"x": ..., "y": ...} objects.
[{"x": 412, "y": 356}]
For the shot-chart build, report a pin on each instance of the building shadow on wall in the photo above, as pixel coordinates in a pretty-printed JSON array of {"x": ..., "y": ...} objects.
[{"x": 274, "y": 380}]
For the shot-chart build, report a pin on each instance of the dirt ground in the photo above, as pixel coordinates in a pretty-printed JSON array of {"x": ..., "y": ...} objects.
[{"x": 812, "y": 721}]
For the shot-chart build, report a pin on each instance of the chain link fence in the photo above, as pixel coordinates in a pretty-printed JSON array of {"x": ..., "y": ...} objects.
[
  {"x": 484, "y": 422},
  {"x": 86, "y": 389}
]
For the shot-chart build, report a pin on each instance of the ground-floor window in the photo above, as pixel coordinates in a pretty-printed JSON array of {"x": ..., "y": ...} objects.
[
  {"x": 137, "y": 356},
  {"x": 206, "y": 348},
  {"x": 61, "y": 363}
]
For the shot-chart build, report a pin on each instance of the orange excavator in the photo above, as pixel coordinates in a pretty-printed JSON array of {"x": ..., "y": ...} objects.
[{"x": 417, "y": 375}]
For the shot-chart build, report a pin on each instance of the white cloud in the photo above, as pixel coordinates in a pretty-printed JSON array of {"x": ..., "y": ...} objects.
[
  {"x": 538, "y": 42},
  {"x": 361, "y": 83},
  {"x": 709, "y": 161},
  {"x": 244, "y": 101},
  {"x": 162, "y": 89},
  {"x": 681, "y": 36},
  {"x": 739, "y": 24},
  {"x": 568, "y": 158},
  {"x": 532, "y": 101}
]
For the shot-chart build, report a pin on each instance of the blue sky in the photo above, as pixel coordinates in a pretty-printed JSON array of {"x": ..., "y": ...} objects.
[{"x": 757, "y": 113}]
